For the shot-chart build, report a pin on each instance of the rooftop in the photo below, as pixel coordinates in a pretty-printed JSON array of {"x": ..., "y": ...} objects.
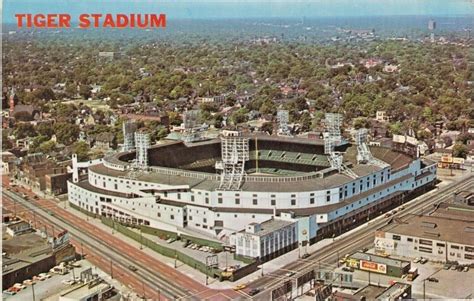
[
  {"x": 370, "y": 292},
  {"x": 84, "y": 290},
  {"x": 437, "y": 227},
  {"x": 380, "y": 259},
  {"x": 23, "y": 250},
  {"x": 394, "y": 291},
  {"x": 270, "y": 226}
]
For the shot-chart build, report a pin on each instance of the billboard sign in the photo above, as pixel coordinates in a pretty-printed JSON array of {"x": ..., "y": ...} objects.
[
  {"x": 60, "y": 240},
  {"x": 353, "y": 263},
  {"x": 384, "y": 243},
  {"x": 373, "y": 267}
]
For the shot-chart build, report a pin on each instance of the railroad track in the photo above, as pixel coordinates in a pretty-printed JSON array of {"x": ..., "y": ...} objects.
[{"x": 146, "y": 275}]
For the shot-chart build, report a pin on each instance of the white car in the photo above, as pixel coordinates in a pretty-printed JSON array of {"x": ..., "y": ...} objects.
[
  {"x": 68, "y": 281},
  {"x": 19, "y": 285},
  {"x": 416, "y": 260},
  {"x": 44, "y": 276}
]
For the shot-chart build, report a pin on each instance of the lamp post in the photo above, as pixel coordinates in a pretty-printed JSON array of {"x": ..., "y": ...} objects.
[
  {"x": 111, "y": 270},
  {"x": 33, "y": 291},
  {"x": 141, "y": 239}
]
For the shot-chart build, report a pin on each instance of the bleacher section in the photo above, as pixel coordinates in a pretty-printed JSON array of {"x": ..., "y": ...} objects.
[
  {"x": 290, "y": 157},
  {"x": 392, "y": 157}
]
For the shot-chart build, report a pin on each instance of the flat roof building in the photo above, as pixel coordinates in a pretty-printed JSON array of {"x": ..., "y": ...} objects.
[
  {"x": 378, "y": 264},
  {"x": 447, "y": 234},
  {"x": 266, "y": 240}
]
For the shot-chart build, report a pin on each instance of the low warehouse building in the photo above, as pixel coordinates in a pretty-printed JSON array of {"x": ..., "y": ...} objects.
[
  {"x": 447, "y": 234},
  {"x": 378, "y": 264}
]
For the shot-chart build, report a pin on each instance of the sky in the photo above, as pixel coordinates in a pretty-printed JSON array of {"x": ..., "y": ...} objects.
[{"x": 211, "y": 9}]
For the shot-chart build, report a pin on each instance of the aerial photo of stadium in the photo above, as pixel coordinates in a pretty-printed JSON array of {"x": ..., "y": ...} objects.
[{"x": 263, "y": 195}]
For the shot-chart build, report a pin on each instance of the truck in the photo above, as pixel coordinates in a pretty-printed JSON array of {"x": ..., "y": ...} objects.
[{"x": 412, "y": 274}]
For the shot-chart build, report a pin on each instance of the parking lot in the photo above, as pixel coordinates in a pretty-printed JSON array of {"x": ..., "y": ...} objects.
[
  {"x": 44, "y": 288},
  {"x": 49, "y": 289},
  {"x": 225, "y": 259}
]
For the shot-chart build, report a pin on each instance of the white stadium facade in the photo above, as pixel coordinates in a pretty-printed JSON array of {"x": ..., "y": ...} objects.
[{"x": 217, "y": 188}]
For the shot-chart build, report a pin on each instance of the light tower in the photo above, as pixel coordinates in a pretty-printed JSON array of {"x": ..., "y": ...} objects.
[
  {"x": 333, "y": 138},
  {"x": 142, "y": 144},
  {"x": 128, "y": 127},
  {"x": 283, "y": 118},
  {"x": 234, "y": 153},
  {"x": 192, "y": 130},
  {"x": 364, "y": 156}
]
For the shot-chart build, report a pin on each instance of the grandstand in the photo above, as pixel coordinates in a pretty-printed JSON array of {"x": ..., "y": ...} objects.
[{"x": 181, "y": 188}]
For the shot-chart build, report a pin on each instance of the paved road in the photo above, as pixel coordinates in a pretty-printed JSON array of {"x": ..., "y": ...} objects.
[
  {"x": 154, "y": 276},
  {"x": 363, "y": 237},
  {"x": 154, "y": 279}
]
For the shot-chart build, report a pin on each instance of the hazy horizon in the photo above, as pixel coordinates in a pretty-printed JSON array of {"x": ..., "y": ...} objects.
[{"x": 179, "y": 10}]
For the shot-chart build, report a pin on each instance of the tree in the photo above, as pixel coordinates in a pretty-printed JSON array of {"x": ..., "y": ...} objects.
[
  {"x": 305, "y": 121},
  {"x": 267, "y": 127},
  {"x": 47, "y": 147},
  {"x": 81, "y": 149},
  {"x": 85, "y": 91},
  {"x": 361, "y": 122},
  {"x": 460, "y": 150},
  {"x": 45, "y": 129},
  {"x": 6, "y": 143},
  {"x": 239, "y": 116},
  {"x": 24, "y": 130},
  {"x": 66, "y": 133}
]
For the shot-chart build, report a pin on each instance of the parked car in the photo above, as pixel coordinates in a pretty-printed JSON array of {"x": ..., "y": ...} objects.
[
  {"x": 460, "y": 268},
  {"x": 45, "y": 275},
  {"x": 305, "y": 255},
  {"x": 28, "y": 282},
  {"x": 447, "y": 266},
  {"x": 239, "y": 287},
  {"x": 432, "y": 279},
  {"x": 132, "y": 268},
  {"x": 20, "y": 286},
  {"x": 68, "y": 281},
  {"x": 348, "y": 269},
  {"x": 423, "y": 260},
  {"x": 254, "y": 291},
  {"x": 416, "y": 260},
  {"x": 75, "y": 264},
  {"x": 289, "y": 274},
  {"x": 454, "y": 267}
]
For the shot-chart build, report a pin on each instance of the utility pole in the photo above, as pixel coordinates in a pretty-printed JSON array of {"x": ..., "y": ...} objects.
[
  {"x": 111, "y": 270},
  {"x": 141, "y": 241},
  {"x": 33, "y": 291},
  {"x": 82, "y": 251},
  {"x": 424, "y": 291},
  {"x": 262, "y": 268},
  {"x": 144, "y": 294}
]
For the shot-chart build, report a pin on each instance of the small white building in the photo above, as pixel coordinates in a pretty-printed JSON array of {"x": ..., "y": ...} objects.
[
  {"x": 381, "y": 116},
  {"x": 18, "y": 228},
  {"x": 266, "y": 240}
]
